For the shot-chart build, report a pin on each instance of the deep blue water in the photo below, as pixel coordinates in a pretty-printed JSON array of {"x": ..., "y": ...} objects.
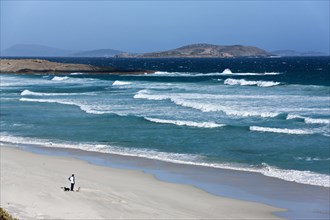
[{"x": 259, "y": 115}]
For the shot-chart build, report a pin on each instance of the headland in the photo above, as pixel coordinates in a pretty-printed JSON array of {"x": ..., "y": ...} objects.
[{"x": 31, "y": 66}]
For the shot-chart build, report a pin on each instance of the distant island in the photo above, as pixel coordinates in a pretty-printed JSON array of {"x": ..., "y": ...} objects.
[
  {"x": 31, "y": 66},
  {"x": 201, "y": 50},
  {"x": 204, "y": 51}
]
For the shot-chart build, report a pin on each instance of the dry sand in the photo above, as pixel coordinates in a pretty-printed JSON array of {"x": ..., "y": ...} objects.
[{"x": 30, "y": 189}]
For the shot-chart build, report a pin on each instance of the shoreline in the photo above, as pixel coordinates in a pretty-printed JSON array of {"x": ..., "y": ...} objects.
[
  {"x": 300, "y": 200},
  {"x": 106, "y": 192}
]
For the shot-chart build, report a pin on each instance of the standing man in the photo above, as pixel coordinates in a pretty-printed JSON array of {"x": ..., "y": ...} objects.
[{"x": 72, "y": 181}]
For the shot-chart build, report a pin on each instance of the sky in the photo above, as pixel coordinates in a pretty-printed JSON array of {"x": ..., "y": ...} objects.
[{"x": 145, "y": 26}]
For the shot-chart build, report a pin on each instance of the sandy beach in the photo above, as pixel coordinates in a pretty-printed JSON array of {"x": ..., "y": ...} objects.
[{"x": 30, "y": 189}]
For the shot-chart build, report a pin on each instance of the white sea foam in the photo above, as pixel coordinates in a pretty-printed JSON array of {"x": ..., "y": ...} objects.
[
  {"x": 60, "y": 78},
  {"x": 309, "y": 120},
  {"x": 304, "y": 177},
  {"x": 85, "y": 108},
  {"x": 163, "y": 73},
  {"x": 145, "y": 94},
  {"x": 120, "y": 83},
  {"x": 185, "y": 100},
  {"x": 225, "y": 72},
  {"x": 229, "y": 72},
  {"x": 13, "y": 80},
  {"x": 272, "y": 73},
  {"x": 312, "y": 158},
  {"x": 247, "y": 74},
  {"x": 27, "y": 92},
  {"x": 316, "y": 120},
  {"x": 243, "y": 82},
  {"x": 186, "y": 123},
  {"x": 209, "y": 107},
  {"x": 280, "y": 130}
]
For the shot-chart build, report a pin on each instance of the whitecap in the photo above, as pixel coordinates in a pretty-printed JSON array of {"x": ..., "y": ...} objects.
[
  {"x": 60, "y": 78},
  {"x": 195, "y": 101},
  {"x": 186, "y": 123},
  {"x": 309, "y": 120},
  {"x": 209, "y": 107},
  {"x": 85, "y": 108},
  {"x": 280, "y": 130},
  {"x": 227, "y": 71},
  {"x": 145, "y": 94},
  {"x": 312, "y": 158},
  {"x": 243, "y": 82},
  {"x": 316, "y": 120},
  {"x": 27, "y": 92},
  {"x": 120, "y": 83}
]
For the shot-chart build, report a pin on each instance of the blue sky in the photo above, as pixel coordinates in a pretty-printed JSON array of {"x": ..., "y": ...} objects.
[{"x": 143, "y": 26}]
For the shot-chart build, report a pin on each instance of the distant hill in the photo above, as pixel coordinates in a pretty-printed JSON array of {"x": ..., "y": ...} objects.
[
  {"x": 293, "y": 53},
  {"x": 188, "y": 51},
  {"x": 31, "y": 50},
  {"x": 97, "y": 53},
  {"x": 204, "y": 50}
]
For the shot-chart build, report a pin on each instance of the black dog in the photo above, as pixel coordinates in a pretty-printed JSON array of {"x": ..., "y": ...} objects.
[{"x": 65, "y": 188}]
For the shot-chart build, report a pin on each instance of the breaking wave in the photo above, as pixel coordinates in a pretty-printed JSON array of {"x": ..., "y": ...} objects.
[
  {"x": 280, "y": 130},
  {"x": 224, "y": 73},
  {"x": 186, "y": 123},
  {"x": 304, "y": 177},
  {"x": 27, "y": 92},
  {"x": 60, "y": 78},
  {"x": 243, "y": 82},
  {"x": 311, "y": 158},
  {"x": 85, "y": 108},
  {"x": 229, "y": 72},
  {"x": 204, "y": 107},
  {"x": 208, "y": 107},
  {"x": 309, "y": 120},
  {"x": 120, "y": 83}
]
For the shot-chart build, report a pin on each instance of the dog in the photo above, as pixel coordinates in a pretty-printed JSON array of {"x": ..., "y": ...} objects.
[
  {"x": 68, "y": 189},
  {"x": 65, "y": 188}
]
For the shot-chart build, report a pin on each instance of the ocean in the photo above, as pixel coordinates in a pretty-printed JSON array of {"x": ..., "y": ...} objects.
[{"x": 262, "y": 115}]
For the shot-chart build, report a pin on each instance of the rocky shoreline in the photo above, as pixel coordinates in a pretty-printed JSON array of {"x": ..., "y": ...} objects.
[{"x": 31, "y": 66}]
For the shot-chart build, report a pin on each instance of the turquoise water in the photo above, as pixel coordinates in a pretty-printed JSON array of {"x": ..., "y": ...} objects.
[{"x": 257, "y": 115}]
